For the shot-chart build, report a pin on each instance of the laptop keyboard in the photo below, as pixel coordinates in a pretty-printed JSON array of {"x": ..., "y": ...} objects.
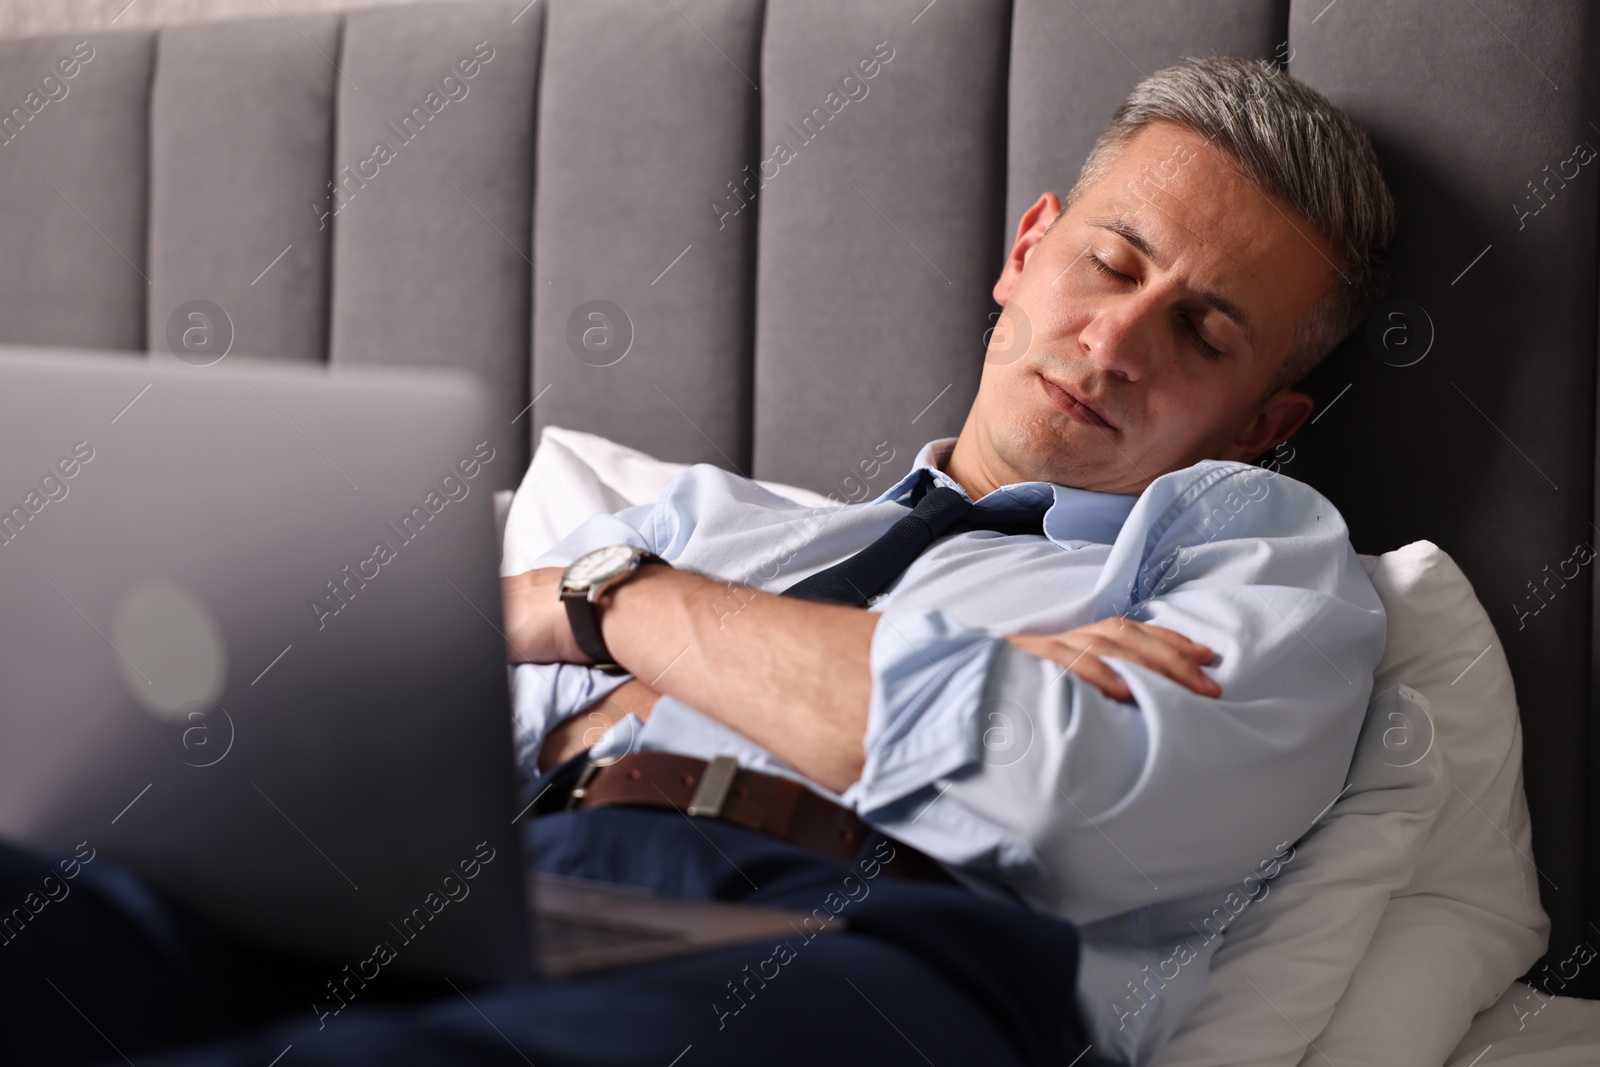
[{"x": 560, "y": 934}]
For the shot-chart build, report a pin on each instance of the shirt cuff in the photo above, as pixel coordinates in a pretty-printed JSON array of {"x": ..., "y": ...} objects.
[
  {"x": 544, "y": 695},
  {"x": 923, "y": 721}
]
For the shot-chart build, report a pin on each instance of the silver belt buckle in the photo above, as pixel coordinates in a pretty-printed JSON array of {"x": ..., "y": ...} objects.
[{"x": 712, "y": 792}]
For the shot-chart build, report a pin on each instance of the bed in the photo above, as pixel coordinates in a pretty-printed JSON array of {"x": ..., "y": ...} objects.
[
  {"x": 1391, "y": 932},
  {"x": 616, "y": 158}
]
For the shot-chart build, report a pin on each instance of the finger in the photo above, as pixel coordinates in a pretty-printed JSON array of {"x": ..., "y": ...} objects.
[
  {"x": 1077, "y": 657},
  {"x": 1194, "y": 649},
  {"x": 1169, "y": 661},
  {"x": 1171, "y": 637},
  {"x": 1083, "y": 659},
  {"x": 1098, "y": 673},
  {"x": 1062, "y": 649},
  {"x": 1155, "y": 648},
  {"x": 1045, "y": 646}
]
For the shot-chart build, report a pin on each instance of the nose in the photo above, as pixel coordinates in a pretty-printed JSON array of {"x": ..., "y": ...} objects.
[{"x": 1120, "y": 336}]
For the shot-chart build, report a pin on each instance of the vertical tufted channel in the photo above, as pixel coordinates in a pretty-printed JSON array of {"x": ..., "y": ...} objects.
[
  {"x": 883, "y": 154},
  {"x": 74, "y": 148},
  {"x": 431, "y": 195},
  {"x": 241, "y": 131},
  {"x": 643, "y": 301}
]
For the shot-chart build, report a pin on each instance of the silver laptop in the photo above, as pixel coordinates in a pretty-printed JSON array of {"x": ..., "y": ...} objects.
[{"x": 251, "y": 648}]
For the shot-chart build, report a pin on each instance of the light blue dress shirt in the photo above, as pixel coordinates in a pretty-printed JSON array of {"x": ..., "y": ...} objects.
[{"x": 1138, "y": 821}]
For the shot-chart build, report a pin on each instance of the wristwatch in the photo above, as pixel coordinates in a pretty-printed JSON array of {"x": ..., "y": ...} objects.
[{"x": 585, "y": 581}]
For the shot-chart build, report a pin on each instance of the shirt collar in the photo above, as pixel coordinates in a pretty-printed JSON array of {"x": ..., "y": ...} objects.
[{"x": 1074, "y": 514}]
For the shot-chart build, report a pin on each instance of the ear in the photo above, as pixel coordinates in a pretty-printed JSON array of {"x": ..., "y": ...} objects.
[
  {"x": 1279, "y": 416},
  {"x": 1030, "y": 229}
]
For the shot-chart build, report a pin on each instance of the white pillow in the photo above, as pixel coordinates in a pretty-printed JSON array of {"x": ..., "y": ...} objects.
[
  {"x": 1469, "y": 922},
  {"x": 1529, "y": 1029},
  {"x": 1286, "y": 958},
  {"x": 1466, "y": 922},
  {"x": 575, "y": 474}
]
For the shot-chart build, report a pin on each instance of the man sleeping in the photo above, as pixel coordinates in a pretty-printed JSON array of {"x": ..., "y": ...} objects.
[
  {"x": 1188, "y": 640},
  {"x": 1014, "y": 729}
]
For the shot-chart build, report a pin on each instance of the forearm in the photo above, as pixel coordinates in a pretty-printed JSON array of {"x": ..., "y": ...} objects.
[
  {"x": 792, "y": 675},
  {"x": 1032, "y": 770}
]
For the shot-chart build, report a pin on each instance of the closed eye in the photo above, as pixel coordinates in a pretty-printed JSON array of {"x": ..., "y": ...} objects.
[
  {"x": 1205, "y": 347},
  {"x": 1099, "y": 265}
]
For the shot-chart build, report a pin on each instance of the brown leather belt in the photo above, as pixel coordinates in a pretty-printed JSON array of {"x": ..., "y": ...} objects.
[{"x": 779, "y": 807}]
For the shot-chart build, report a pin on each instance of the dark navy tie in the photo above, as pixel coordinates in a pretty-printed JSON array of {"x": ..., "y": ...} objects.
[{"x": 940, "y": 510}]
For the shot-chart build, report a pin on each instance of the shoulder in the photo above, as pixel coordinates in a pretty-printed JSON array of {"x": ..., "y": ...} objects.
[
  {"x": 708, "y": 500},
  {"x": 1231, "y": 524},
  {"x": 1228, "y": 500},
  {"x": 704, "y": 486}
]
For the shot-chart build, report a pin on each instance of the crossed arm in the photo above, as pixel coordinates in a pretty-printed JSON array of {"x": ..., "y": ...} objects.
[{"x": 792, "y": 675}]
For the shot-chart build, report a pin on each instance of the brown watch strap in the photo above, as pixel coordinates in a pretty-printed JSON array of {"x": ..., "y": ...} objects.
[
  {"x": 583, "y": 615},
  {"x": 584, "y": 618}
]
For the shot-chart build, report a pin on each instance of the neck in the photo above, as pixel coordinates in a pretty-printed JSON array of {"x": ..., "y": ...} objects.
[{"x": 978, "y": 473}]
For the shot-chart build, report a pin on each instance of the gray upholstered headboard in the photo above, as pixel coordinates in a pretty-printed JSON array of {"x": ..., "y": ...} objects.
[{"x": 794, "y": 212}]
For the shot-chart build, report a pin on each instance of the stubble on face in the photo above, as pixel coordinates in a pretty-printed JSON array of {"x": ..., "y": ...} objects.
[{"x": 1212, "y": 231}]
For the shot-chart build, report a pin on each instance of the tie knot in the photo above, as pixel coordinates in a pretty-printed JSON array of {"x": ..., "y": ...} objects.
[
  {"x": 935, "y": 511},
  {"x": 944, "y": 509},
  {"x": 941, "y": 508}
]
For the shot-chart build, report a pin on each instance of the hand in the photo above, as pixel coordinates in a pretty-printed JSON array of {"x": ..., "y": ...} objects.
[
  {"x": 1155, "y": 648},
  {"x": 584, "y": 729},
  {"x": 537, "y": 630}
]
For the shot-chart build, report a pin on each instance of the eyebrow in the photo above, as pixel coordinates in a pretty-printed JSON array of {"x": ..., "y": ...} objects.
[{"x": 1120, "y": 226}]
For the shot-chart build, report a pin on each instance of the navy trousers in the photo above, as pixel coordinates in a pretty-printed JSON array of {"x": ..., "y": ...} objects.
[{"x": 924, "y": 973}]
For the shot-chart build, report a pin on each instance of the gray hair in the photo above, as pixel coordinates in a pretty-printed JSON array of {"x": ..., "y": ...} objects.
[{"x": 1295, "y": 145}]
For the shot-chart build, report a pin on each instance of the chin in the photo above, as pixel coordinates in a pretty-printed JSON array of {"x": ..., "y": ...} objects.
[
  {"x": 1039, "y": 450},
  {"x": 1076, "y": 456}
]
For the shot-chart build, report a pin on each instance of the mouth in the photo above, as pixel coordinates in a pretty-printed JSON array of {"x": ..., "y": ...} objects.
[{"x": 1075, "y": 405}]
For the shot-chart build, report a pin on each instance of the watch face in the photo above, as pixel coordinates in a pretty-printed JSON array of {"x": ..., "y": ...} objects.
[{"x": 598, "y": 565}]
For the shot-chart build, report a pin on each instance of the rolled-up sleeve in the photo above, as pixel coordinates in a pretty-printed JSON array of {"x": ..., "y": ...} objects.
[
  {"x": 928, "y": 673},
  {"x": 995, "y": 760}
]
